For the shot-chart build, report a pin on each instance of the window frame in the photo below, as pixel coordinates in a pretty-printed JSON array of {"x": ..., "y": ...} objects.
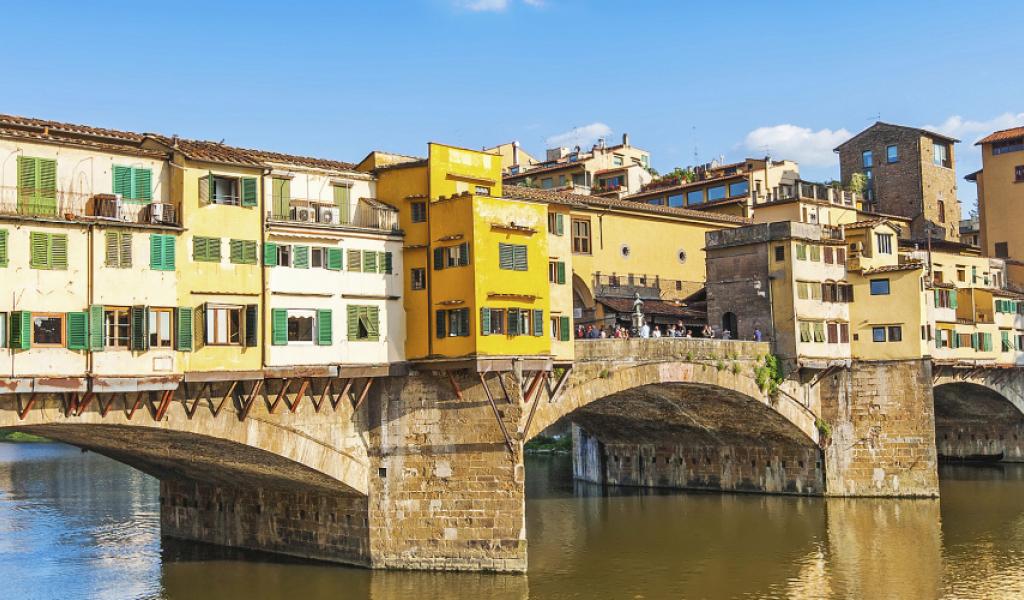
[
  {"x": 62, "y": 317},
  {"x": 894, "y": 156},
  {"x": 582, "y": 241},
  {"x": 210, "y": 325},
  {"x": 883, "y": 242},
  {"x": 153, "y": 325},
  {"x": 418, "y": 278},
  {"x": 418, "y": 212},
  {"x": 111, "y": 336},
  {"x": 236, "y": 184},
  {"x": 888, "y": 287},
  {"x": 301, "y": 313}
]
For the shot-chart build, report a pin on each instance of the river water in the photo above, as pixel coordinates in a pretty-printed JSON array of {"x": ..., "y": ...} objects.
[{"x": 76, "y": 525}]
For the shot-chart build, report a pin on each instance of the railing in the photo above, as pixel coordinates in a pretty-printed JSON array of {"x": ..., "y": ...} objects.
[
  {"x": 361, "y": 215},
  {"x": 831, "y": 232},
  {"x": 648, "y": 286},
  {"x": 62, "y": 204},
  {"x": 806, "y": 190}
]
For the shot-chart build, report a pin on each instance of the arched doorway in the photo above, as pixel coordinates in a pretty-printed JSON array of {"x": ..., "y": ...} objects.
[{"x": 730, "y": 324}]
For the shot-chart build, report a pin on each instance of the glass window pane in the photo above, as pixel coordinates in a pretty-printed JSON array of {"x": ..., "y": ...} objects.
[
  {"x": 716, "y": 193},
  {"x": 694, "y": 197}
]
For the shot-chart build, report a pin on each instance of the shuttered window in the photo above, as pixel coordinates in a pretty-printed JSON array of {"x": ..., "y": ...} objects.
[
  {"x": 384, "y": 260},
  {"x": 183, "y": 329},
  {"x": 300, "y": 257},
  {"x": 363, "y": 323},
  {"x": 278, "y": 327},
  {"x": 118, "y": 249},
  {"x": 139, "y": 317},
  {"x": 369, "y": 261},
  {"x": 48, "y": 250},
  {"x": 334, "y": 260},
  {"x": 4, "y": 253},
  {"x": 324, "y": 327},
  {"x": 205, "y": 249},
  {"x": 455, "y": 322},
  {"x": 512, "y": 257},
  {"x": 243, "y": 252},
  {"x": 556, "y": 272},
  {"x": 342, "y": 197},
  {"x": 538, "y": 322},
  {"x": 252, "y": 325},
  {"x": 37, "y": 186},
  {"x": 161, "y": 252},
  {"x": 355, "y": 260},
  {"x": 78, "y": 330},
  {"x": 21, "y": 330},
  {"x": 249, "y": 191},
  {"x": 270, "y": 254},
  {"x": 133, "y": 183},
  {"x": 564, "y": 329}
]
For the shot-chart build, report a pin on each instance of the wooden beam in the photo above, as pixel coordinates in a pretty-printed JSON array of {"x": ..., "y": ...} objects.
[
  {"x": 344, "y": 392},
  {"x": 165, "y": 403},
  {"x": 553, "y": 394},
  {"x": 135, "y": 407},
  {"x": 362, "y": 396},
  {"x": 23, "y": 411},
  {"x": 497, "y": 414},
  {"x": 84, "y": 404},
  {"x": 280, "y": 395},
  {"x": 323, "y": 395},
  {"x": 247, "y": 406},
  {"x": 298, "y": 396},
  {"x": 105, "y": 408},
  {"x": 231, "y": 390},
  {"x": 455, "y": 385}
]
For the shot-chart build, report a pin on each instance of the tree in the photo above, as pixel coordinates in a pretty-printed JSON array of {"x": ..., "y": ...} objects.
[{"x": 858, "y": 183}]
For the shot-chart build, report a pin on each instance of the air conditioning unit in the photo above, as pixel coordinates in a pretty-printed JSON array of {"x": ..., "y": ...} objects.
[
  {"x": 328, "y": 214},
  {"x": 303, "y": 213},
  {"x": 857, "y": 246},
  {"x": 107, "y": 205},
  {"x": 162, "y": 213}
]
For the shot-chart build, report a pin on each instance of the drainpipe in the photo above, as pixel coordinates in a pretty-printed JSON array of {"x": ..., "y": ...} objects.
[
  {"x": 429, "y": 272},
  {"x": 263, "y": 269},
  {"x": 90, "y": 287}
]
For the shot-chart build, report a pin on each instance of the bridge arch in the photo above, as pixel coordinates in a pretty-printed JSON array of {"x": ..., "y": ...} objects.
[{"x": 978, "y": 416}]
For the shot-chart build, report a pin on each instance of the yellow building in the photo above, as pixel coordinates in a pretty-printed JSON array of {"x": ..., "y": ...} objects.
[{"x": 1001, "y": 193}]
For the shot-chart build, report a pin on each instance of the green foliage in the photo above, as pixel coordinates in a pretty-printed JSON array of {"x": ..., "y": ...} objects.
[
  {"x": 689, "y": 356},
  {"x": 858, "y": 183},
  {"x": 824, "y": 429},
  {"x": 543, "y": 444},
  {"x": 605, "y": 374},
  {"x": 735, "y": 368},
  {"x": 719, "y": 365},
  {"x": 769, "y": 375},
  {"x": 17, "y": 436}
]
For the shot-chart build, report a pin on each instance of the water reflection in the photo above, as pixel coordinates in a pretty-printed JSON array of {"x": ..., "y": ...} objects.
[{"x": 77, "y": 525}]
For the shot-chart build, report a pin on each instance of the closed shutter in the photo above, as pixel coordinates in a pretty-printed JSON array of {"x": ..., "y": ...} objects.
[
  {"x": 281, "y": 192},
  {"x": 384, "y": 262},
  {"x": 560, "y": 268},
  {"x": 342, "y": 194},
  {"x": 353, "y": 322},
  {"x": 485, "y": 321},
  {"x": 125, "y": 249},
  {"x": 279, "y": 327},
  {"x": 96, "y": 327},
  {"x": 334, "y": 259},
  {"x": 464, "y": 322},
  {"x": 78, "y": 330},
  {"x": 46, "y": 192},
  {"x": 111, "y": 249},
  {"x": 440, "y": 320},
  {"x": 156, "y": 252},
  {"x": 324, "y": 327},
  {"x": 438, "y": 259},
  {"x": 143, "y": 182},
  {"x": 538, "y": 322},
  {"x": 249, "y": 195},
  {"x": 252, "y": 325},
  {"x": 27, "y": 177},
  {"x": 139, "y": 322},
  {"x": 183, "y": 329},
  {"x": 21, "y": 329},
  {"x": 199, "y": 249},
  {"x": 170, "y": 262},
  {"x": 355, "y": 258},
  {"x": 564, "y": 329},
  {"x": 4, "y": 253},
  {"x": 952, "y": 298},
  {"x": 270, "y": 254},
  {"x": 236, "y": 250},
  {"x": 463, "y": 254},
  {"x": 560, "y": 224},
  {"x": 39, "y": 248},
  {"x": 519, "y": 257},
  {"x": 59, "y": 251},
  {"x": 936, "y": 294},
  {"x": 506, "y": 257},
  {"x": 300, "y": 257},
  {"x": 369, "y": 262},
  {"x": 249, "y": 252},
  {"x": 513, "y": 321},
  {"x": 123, "y": 181}
]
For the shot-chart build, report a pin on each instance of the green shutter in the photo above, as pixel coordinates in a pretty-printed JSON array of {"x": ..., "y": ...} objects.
[
  {"x": 324, "y": 327},
  {"x": 334, "y": 259},
  {"x": 235, "y": 247},
  {"x": 143, "y": 182},
  {"x": 300, "y": 257},
  {"x": 353, "y": 322},
  {"x": 124, "y": 248},
  {"x": 96, "y": 327},
  {"x": 183, "y": 328},
  {"x": 170, "y": 262},
  {"x": 513, "y": 321},
  {"x": 936, "y": 294},
  {"x": 249, "y": 195},
  {"x": 111, "y": 249},
  {"x": 123, "y": 181},
  {"x": 538, "y": 322},
  {"x": 438, "y": 259},
  {"x": 355, "y": 259},
  {"x": 560, "y": 268},
  {"x": 252, "y": 325},
  {"x": 139, "y": 322},
  {"x": 485, "y": 321},
  {"x": 37, "y": 186},
  {"x": 279, "y": 327},
  {"x": 156, "y": 252},
  {"x": 440, "y": 320},
  {"x": 27, "y": 176},
  {"x": 199, "y": 252},
  {"x": 506, "y": 257},
  {"x": 249, "y": 252},
  {"x": 369, "y": 262},
  {"x": 342, "y": 195},
  {"x": 78, "y": 330},
  {"x": 59, "y": 251},
  {"x": 952, "y": 299},
  {"x": 373, "y": 322},
  {"x": 21, "y": 330},
  {"x": 463, "y": 254},
  {"x": 270, "y": 254},
  {"x": 4, "y": 253},
  {"x": 1006, "y": 347},
  {"x": 564, "y": 329},
  {"x": 519, "y": 257},
  {"x": 39, "y": 248}
]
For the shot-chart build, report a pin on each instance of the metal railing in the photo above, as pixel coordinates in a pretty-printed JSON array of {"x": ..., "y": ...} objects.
[
  {"x": 63, "y": 204},
  {"x": 361, "y": 215},
  {"x": 807, "y": 190}
]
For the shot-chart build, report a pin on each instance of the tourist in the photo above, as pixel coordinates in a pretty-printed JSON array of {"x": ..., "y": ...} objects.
[
  {"x": 726, "y": 334},
  {"x": 757, "y": 334},
  {"x": 657, "y": 332},
  {"x": 645, "y": 331},
  {"x": 708, "y": 331},
  {"x": 689, "y": 333}
]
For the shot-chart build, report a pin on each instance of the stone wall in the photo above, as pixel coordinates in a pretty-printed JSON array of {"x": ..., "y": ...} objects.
[
  {"x": 974, "y": 439},
  {"x": 882, "y": 421},
  {"x": 313, "y": 525}
]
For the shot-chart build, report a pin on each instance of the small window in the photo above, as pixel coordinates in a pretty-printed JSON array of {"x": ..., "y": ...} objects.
[
  {"x": 116, "y": 327},
  {"x": 716, "y": 193},
  {"x": 739, "y": 189},
  {"x": 617, "y": 160},
  {"x": 418, "y": 277},
  {"x": 1002, "y": 250},
  {"x": 878, "y": 334},
  {"x": 867, "y": 159},
  {"x": 225, "y": 191},
  {"x": 482, "y": 190},
  {"x": 556, "y": 224},
  {"x": 884, "y": 243},
  {"x": 301, "y": 325},
  {"x": 118, "y": 249},
  {"x": 892, "y": 153},
  {"x": 284, "y": 256},
  {"x": 675, "y": 200},
  {"x": 940, "y": 154},
  {"x": 547, "y": 183},
  {"x": 512, "y": 257},
  {"x": 160, "y": 327},
  {"x": 316, "y": 258},
  {"x": 942, "y": 211},
  {"x": 895, "y": 333},
  {"x": 879, "y": 287},
  {"x": 1018, "y": 173},
  {"x": 47, "y": 329},
  {"x": 581, "y": 236},
  {"x": 224, "y": 325},
  {"x": 694, "y": 197},
  {"x": 419, "y": 212}
]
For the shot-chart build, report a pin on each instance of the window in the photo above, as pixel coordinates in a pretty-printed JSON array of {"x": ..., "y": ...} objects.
[
  {"x": 161, "y": 252},
  {"x": 224, "y": 190},
  {"x": 833, "y": 333},
  {"x": 867, "y": 159},
  {"x": 828, "y": 255},
  {"x": 940, "y": 154},
  {"x": 281, "y": 197},
  {"x": 37, "y": 186},
  {"x": 1007, "y": 146},
  {"x": 492, "y": 321},
  {"x": 884, "y": 243},
  {"x": 160, "y": 327},
  {"x": 694, "y": 197},
  {"x": 581, "y": 236},
  {"x": 483, "y": 190},
  {"x": 284, "y": 256},
  {"x": 205, "y": 249},
  {"x": 547, "y": 183},
  {"x": 223, "y": 325},
  {"x": 801, "y": 251},
  {"x": 363, "y": 323},
  {"x": 617, "y": 160},
  {"x": 675, "y": 200},
  {"x": 3, "y": 329},
  {"x": 844, "y": 333},
  {"x": 419, "y": 212},
  {"x": 300, "y": 257},
  {"x": 418, "y": 276},
  {"x": 451, "y": 256},
  {"x": 1002, "y": 250},
  {"x": 878, "y": 334},
  {"x": 887, "y": 333},
  {"x": 561, "y": 180},
  {"x": 716, "y": 193},
  {"x": 819, "y": 332},
  {"x": 133, "y": 183},
  {"x": 4, "y": 255},
  {"x": 740, "y": 188},
  {"x": 47, "y": 329},
  {"x": 879, "y": 287},
  {"x": 556, "y": 272},
  {"x": 780, "y": 253},
  {"x": 945, "y": 299},
  {"x": 243, "y": 252},
  {"x": 892, "y": 153},
  {"x": 840, "y": 256},
  {"x": 556, "y": 224},
  {"x": 301, "y": 326},
  {"x": 512, "y": 257},
  {"x": 316, "y": 258},
  {"x": 805, "y": 331},
  {"x": 1018, "y": 173},
  {"x": 118, "y": 249},
  {"x": 116, "y": 327},
  {"x": 895, "y": 333},
  {"x": 815, "y": 254},
  {"x": 48, "y": 250},
  {"x": 452, "y": 323},
  {"x": 942, "y": 211}
]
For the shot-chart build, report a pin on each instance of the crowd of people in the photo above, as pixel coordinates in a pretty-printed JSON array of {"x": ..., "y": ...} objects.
[{"x": 679, "y": 330}]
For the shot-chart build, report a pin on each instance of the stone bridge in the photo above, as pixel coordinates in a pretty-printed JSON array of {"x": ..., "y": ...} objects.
[{"x": 422, "y": 467}]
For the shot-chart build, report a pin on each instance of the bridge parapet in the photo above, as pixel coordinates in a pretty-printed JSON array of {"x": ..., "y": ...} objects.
[{"x": 667, "y": 349}]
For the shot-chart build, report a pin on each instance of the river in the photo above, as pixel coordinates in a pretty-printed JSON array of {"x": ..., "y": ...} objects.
[{"x": 77, "y": 525}]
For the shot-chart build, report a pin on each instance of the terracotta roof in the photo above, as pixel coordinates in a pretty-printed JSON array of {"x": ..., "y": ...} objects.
[
  {"x": 1001, "y": 135},
  {"x": 12, "y": 121},
  {"x": 306, "y": 161},
  {"x": 526, "y": 193},
  {"x": 884, "y": 124},
  {"x": 911, "y": 266},
  {"x": 56, "y": 137},
  {"x": 536, "y": 170},
  {"x": 868, "y": 223}
]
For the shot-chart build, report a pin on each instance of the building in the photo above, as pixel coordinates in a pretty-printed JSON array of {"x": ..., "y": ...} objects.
[
  {"x": 1000, "y": 185},
  {"x": 908, "y": 172},
  {"x": 613, "y": 171},
  {"x": 513, "y": 157},
  {"x": 970, "y": 230}
]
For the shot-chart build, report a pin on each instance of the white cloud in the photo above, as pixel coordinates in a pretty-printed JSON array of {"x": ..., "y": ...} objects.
[
  {"x": 492, "y": 5},
  {"x": 971, "y": 131},
  {"x": 802, "y": 144},
  {"x": 580, "y": 136}
]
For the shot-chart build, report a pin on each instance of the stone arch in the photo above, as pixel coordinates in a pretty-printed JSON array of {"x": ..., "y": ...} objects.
[
  {"x": 978, "y": 418},
  {"x": 582, "y": 296}
]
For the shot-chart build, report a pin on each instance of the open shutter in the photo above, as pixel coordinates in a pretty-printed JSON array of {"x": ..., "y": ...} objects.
[
  {"x": 373, "y": 320},
  {"x": 440, "y": 321},
  {"x": 249, "y": 195},
  {"x": 139, "y": 321},
  {"x": 279, "y": 327},
  {"x": 438, "y": 259},
  {"x": 564, "y": 329},
  {"x": 513, "y": 321},
  {"x": 4, "y": 253},
  {"x": 324, "y": 327},
  {"x": 353, "y": 322},
  {"x": 183, "y": 328},
  {"x": 270, "y": 254},
  {"x": 252, "y": 325},
  {"x": 936, "y": 294},
  {"x": 355, "y": 258},
  {"x": 96, "y": 327},
  {"x": 952, "y": 298},
  {"x": 21, "y": 329},
  {"x": 59, "y": 251},
  {"x": 560, "y": 224},
  {"x": 485, "y": 321},
  {"x": 78, "y": 330},
  {"x": 463, "y": 254},
  {"x": 334, "y": 259},
  {"x": 560, "y": 268},
  {"x": 342, "y": 194},
  {"x": 143, "y": 182},
  {"x": 538, "y": 322}
]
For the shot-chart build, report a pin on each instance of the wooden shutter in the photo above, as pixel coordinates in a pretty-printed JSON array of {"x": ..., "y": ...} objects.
[
  {"x": 278, "y": 327},
  {"x": 235, "y": 248},
  {"x": 199, "y": 249},
  {"x": 270, "y": 254},
  {"x": 249, "y": 193},
  {"x": 355, "y": 259},
  {"x": 249, "y": 252},
  {"x": 485, "y": 321},
  {"x": 519, "y": 257},
  {"x": 538, "y": 322},
  {"x": 513, "y": 321},
  {"x": 300, "y": 257},
  {"x": 463, "y": 254},
  {"x": 78, "y": 334},
  {"x": 4, "y": 253},
  {"x": 124, "y": 249},
  {"x": 334, "y": 259},
  {"x": 96, "y": 327},
  {"x": 183, "y": 329},
  {"x": 252, "y": 325},
  {"x": 342, "y": 195},
  {"x": 369, "y": 262},
  {"x": 139, "y": 323},
  {"x": 560, "y": 224},
  {"x": 438, "y": 259},
  {"x": 46, "y": 193},
  {"x": 156, "y": 252},
  {"x": 123, "y": 181},
  {"x": 506, "y": 257},
  {"x": 353, "y": 322},
  {"x": 59, "y": 251},
  {"x": 440, "y": 321},
  {"x": 373, "y": 322},
  {"x": 142, "y": 181},
  {"x": 112, "y": 253},
  {"x": 564, "y": 329},
  {"x": 21, "y": 329},
  {"x": 560, "y": 268},
  {"x": 324, "y": 327},
  {"x": 170, "y": 263},
  {"x": 39, "y": 248},
  {"x": 27, "y": 180}
]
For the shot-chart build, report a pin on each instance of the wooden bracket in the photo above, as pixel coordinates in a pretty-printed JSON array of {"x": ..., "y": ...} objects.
[
  {"x": 248, "y": 402},
  {"x": 535, "y": 392},
  {"x": 497, "y": 414},
  {"x": 165, "y": 403},
  {"x": 298, "y": 395},
  {"x": 280, "y": 395},
  {"x": 455, "y": 386},
  {"x": 344, "y": 393},
  {"x": 23, "y": 410},
  {"x": 138, "y": 402},
  {"x": 554, "y": 393},
  {"x": 362, "y": 396},
  {"x": 105, "y": 408}
]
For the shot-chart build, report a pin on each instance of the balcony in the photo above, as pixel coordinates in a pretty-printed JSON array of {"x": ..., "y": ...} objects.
[
  {"x": 365, "y": 214},
  {"x": 76, "y": 206},
  {"x": 806, "y": 190},
  {"x": 649, "y": 287}
]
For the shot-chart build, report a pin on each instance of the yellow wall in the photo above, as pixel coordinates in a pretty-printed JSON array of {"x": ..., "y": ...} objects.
[
  {"x": 560, "y": 303},
  {"x": 904, "y": 306},
  {"x": 1000, "y": 197}
]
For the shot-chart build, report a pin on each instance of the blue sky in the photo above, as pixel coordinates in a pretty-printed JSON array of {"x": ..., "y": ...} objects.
[{"x": 337, "y": 79}]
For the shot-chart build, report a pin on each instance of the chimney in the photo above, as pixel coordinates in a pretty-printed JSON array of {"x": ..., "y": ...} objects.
[
  {"x": 515, "y": 154},
  {"x": 625, "y": 139}
]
